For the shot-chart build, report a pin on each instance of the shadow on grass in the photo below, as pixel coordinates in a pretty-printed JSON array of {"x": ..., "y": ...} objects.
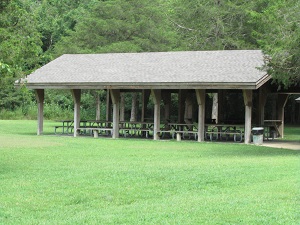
[{"x": 205, "y": 149}]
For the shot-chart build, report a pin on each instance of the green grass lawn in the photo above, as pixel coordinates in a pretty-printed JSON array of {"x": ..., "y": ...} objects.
[
  {"x": 292, "y": 133},
  {"x": 64, "y": 180}
]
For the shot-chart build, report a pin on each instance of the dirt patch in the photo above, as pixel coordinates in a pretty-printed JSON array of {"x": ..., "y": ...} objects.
[{"x": 293, "y": 145}]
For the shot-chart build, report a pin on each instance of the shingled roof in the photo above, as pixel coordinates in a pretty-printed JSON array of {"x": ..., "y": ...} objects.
[{"x": 235, "y": 69}]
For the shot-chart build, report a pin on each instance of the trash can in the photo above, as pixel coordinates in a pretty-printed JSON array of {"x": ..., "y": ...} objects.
[{"x": 258, "y": 135}]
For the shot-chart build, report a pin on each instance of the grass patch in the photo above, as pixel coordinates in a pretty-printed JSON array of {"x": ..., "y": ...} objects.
[
  {"x": 292, "y": 133},
  {"x": 63, "y": 180}
]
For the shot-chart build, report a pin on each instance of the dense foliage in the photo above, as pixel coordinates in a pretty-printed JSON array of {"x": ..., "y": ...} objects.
[{"x": 33, "y": 32}]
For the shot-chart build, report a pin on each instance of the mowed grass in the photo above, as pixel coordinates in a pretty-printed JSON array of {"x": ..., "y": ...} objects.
[
  {"x": 64, "y": 180},
  {"x": 292, "y": 133}
]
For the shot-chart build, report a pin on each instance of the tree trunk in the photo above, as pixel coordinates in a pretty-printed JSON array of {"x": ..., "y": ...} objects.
[
  {"x": 188, "y": 110},
  {"x": 122, "y": 107},
  {"x": 98, "y": 106},
  {"x": 133, "y": 107},
  {"x": 215, "y": 105},
  {"x": 108, "y": 106}
]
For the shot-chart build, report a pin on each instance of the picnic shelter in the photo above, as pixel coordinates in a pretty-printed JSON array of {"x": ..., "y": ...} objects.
[{"x": 190, "y": 74}]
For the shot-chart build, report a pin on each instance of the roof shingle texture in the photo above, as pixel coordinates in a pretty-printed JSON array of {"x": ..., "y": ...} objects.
[{"x": 190, "y": 66}]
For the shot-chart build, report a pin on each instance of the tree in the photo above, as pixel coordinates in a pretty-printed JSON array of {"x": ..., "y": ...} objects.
[
  {"x": 133, "y": 114},
  {"x": 56, "y": 18},
  {"x": 211, "y": 25},
  {"x": 19, "y": 50},
  {"x": 120, "y": 26},
  {"x": 276, "y": 29}
]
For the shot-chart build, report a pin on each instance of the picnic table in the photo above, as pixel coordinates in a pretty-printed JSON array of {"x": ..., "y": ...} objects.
[
  {"x": 85, "y": 126},
  {"x": 221, "y": 131},
  {"x": 180, "y": 130},
  {"x": 145, "y": 129},
  {"x": 271, "y": 128},
  {"x": 65, "y": 125},
  {"x": 103, "y": 127},
  {"x": 141, "y": 129},
  {"x": 95, "y": 127}
]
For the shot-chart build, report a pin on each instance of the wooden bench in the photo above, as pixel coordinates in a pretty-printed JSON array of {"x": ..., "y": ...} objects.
[
  {"x": 63, "y": 129},
  {"x": 135, "y": 131},
  {"x": 270, "y": 132},
  {"x": 95, "y": 130},
  {"x": 178, "y": 134},
  {"x": 235, "y": 135},
  {"x": 227, "y": 133},
  {"x": 162, "y": 133}
]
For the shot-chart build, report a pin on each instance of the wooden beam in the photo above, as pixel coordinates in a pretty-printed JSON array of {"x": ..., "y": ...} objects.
[
  {"x": 40, "y": 96},
  {"x": 248, "y": 115},
  {"x": 282, "y": 99},
  {"x": 156, "y": 94},
  {"x": 200, "y": 95},
  {"x": 76, "y": 93},
  {"x": 115, "y": 97}
]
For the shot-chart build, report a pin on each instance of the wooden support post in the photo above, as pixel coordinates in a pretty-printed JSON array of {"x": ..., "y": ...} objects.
[
  {"x": 262, "y": 99},
  {"x": 157, "y": 98},
  {"x": 248, "y": 114},
  {"x": 181, "y": 104},
  {"x": 200, "y": 95},
  {"x": 282, "y": 99},
  {"x": 76, "y": 93},
  {"x": 115, "y": 97},
  {"x": 40, "y": 96},
  {"x": 145, "y": 100}
]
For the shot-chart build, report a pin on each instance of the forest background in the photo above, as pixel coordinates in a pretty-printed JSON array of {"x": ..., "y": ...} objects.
[{"x": 34, "y": 32}]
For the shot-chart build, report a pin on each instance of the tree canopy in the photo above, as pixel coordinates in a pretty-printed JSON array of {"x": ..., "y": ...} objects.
[
  {"x": 33, "y": 32},
  {"x": 276, "y": 30},
  {"x": 121, "y": 26}
]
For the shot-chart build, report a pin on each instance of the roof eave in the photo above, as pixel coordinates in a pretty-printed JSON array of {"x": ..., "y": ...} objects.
[
  {"x": 165, "y": 85},
  {"x": 263, "y": 80}
]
